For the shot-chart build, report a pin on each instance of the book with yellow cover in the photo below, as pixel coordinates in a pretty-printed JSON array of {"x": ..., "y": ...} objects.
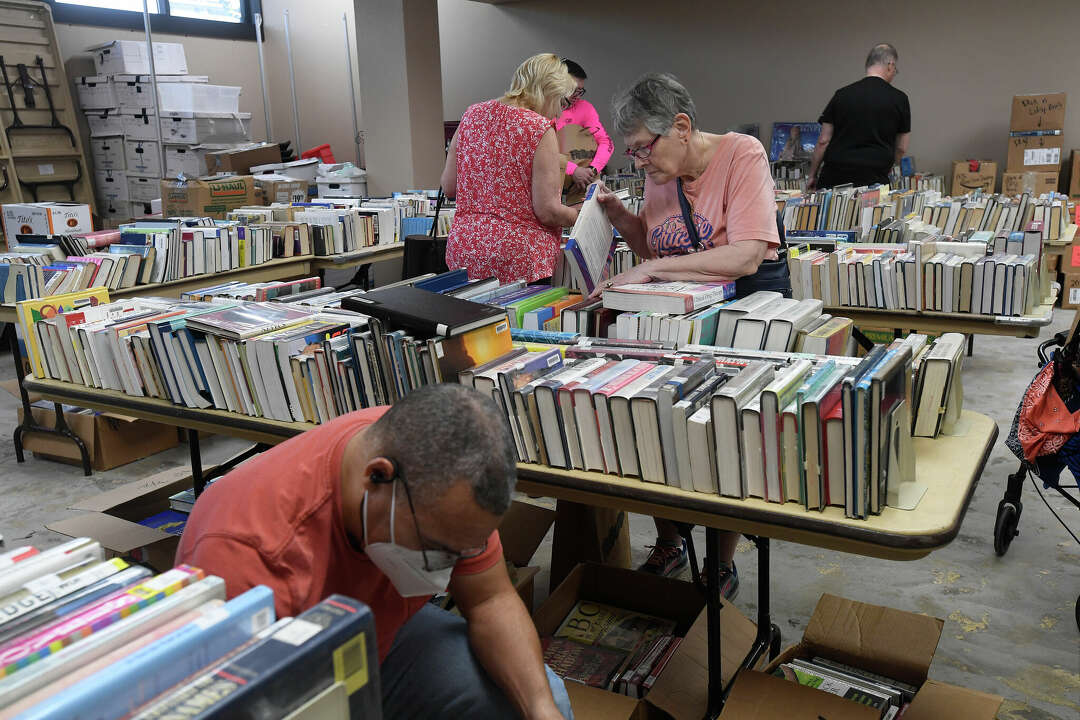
[
  {"x": 472, "y": 348},
  {"x": 594, "y": 623},
  {"x": 30, "y": 311}
]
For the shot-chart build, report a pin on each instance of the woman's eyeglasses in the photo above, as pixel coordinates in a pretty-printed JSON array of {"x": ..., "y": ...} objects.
[{"x": 643, "y": 152}]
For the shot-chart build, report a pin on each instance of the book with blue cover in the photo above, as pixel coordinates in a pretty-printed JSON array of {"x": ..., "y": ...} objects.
[
  {"x": 170, "y": 521},
  {"x": 113, "y": 692},
  {"x": 443, "y": 282},
  {"x": 332, "y": 642}
]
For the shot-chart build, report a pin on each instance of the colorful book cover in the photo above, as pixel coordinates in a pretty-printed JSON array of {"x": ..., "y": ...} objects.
[
  {"x": 571, "y": 660},
  {"x": 170, "y": 521},
  {"x": 518, "y": 309},
  {"x": 473, "y": 348},
  {"x": 611, "y": 627},
  {"x": 30, "y": 311},
  {"x": 56, "y": 586},
  {"x": 161, "y": 665},
  {"x": 26, "y": 650}
]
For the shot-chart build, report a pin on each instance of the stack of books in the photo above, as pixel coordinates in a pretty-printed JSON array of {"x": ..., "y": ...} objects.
[
  {"x": 888, "y": 696},
  {"x": 80, "y": 632},
  {"x": 611, "y": 648}
]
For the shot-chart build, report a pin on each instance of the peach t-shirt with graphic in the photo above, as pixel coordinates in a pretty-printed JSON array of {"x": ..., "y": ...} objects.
[{"x": 733, "y": 200}]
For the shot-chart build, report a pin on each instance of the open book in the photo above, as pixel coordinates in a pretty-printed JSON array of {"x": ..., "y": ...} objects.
[{"x": 591, "y": 242}]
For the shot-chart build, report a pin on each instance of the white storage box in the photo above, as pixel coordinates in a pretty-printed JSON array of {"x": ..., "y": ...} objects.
[
  {"x": 197, "y": 97},
  {"x": 114, "y": 211},
  {"x": 139, "y": 126},
  {"x": 199, "y": 128},
  {"x": 95, "y": 92},
  {"x": 143, "y": 189},
  {"x": 351, "y": 187},
  {"x": 186, "y": 160},
  {"x": 133, "y": 91},
  {"x": 104, "y": 122},
  {"x": 45, "y": 218},
  {"x": 129, "y": 56},
  {"x": 297, "y": 169},
  {"x": 112, "y": 186},
  {"x": 108, "y": 152},
  {"x": 138, "y": 209},
  {"x": 142, "y": 158}
]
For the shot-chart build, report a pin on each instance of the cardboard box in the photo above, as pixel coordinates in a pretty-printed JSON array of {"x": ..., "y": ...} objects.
[
  {"x": 111, "y": 439},
  {"x": 1045, "y": 111},
  {"x": 210, "y": 197},
  {"x": 108, "y": 153},
  {"x": 757, "y": 696},
  {"x": 1070, "y": 291},
  {"x": 521, "y": 531},
  {"x": 45, "y": 218},
  {"x": 143, "y": 189},
  {"x": 133, "y": 91},
  {"x": 1037, "y": 183},
  {"x": 889, "y": 642},
  {"x": 210, "y": 128},
  {"x": 281, "y": 189},
  {"x": 95, "y": 91},
  {"x": 241, "y": 160},
  {"x": 112, "y": 518},
  {"x": 1035, "y": 153},
  {"x": 681, "y": 691},
  {"x": 129, "y": 56},
  {"x": 971, "y": 175},
  {"x": 104, "y": 123},
  {"x": 142, "y": 158},
  {"x": 186, "y": 160},
  {"x": 139, "y": 125},
  {"x": 111, "y": 186}
]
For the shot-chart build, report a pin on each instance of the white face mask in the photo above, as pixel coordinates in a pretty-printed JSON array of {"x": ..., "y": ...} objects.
[{"x": 405, "y": 567}]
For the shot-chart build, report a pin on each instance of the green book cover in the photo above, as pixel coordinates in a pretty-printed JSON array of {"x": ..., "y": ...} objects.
[{"x": 518, "y": 309}]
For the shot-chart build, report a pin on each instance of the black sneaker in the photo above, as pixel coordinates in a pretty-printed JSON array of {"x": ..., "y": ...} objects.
[{"x": 665, "y": 560}]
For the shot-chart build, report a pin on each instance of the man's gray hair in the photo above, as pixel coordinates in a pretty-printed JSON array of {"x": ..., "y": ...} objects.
[
  {"x": 653, "y": 102},
  {"x": 882, "y": 55},
  {"x": 443, "y": 434}
]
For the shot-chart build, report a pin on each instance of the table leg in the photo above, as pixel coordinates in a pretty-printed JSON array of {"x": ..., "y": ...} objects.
[
  {"x": 685, "y": 529},
  {"x": 28, "y": 425},
  {"x": 971, "y": 345},
  {"x": 197, "y": 480},
  {"x": 713, "y": 606}
]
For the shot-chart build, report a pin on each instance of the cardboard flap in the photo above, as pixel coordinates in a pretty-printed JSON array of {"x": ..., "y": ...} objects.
[
  {"x": 589, "y": 702},
  {"x": 522, "y": 529},
  {"x": 757, "y": 696},
  {"x": 891, "y": 642},
  {"x": 940, "y": 700},
  {"x": 682, "y": 690},
  {"x": 118, "y": 416},
  {"x": 172, "y": 481},
  {"x": 120, "y": 536}
]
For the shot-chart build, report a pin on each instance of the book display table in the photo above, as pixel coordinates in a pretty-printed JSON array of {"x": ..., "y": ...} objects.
[
  {"x": 280, "y": 269},
  {"x": 949, "y": 465}
]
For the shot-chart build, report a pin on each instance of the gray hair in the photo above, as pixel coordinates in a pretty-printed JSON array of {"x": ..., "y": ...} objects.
[
  {"x": 653, "y": 101},
  {"x": 443, "y": 434},
  {"x": 882, "y": 54}
]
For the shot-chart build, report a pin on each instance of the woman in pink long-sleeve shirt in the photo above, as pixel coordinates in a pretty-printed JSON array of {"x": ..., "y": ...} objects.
[{"x": 581, "y": 112}]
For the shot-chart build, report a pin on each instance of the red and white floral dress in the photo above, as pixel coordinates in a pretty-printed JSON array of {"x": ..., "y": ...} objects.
[{"x": 495, "y": 231}]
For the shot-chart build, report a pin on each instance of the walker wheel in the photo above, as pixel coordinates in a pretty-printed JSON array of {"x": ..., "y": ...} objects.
[{"x": 1005, "y": 528}]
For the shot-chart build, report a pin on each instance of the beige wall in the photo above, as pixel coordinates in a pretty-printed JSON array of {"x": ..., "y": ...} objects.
[
  {"x": 318, "y": 56},
  {"x": 961, "y": 61}
]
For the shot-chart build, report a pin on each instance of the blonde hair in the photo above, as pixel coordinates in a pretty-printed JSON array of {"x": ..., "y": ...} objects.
[{"x": 540, "y": 82}]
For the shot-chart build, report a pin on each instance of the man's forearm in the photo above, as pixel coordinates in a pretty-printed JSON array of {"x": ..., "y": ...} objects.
[
  {"x": 504, "y": 639},
  {"x": 815, "y": 162}
]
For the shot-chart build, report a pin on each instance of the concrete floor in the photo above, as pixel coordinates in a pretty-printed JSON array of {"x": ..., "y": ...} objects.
[{"x": 1009, "y": 625}]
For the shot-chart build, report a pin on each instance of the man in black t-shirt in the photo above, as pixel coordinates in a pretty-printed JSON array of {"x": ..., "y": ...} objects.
[{"x": 865, "y": 127}]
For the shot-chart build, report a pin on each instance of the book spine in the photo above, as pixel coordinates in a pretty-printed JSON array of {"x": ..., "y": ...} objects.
[
  {"x": 111, "y": 693},
  {"x": 27, "y": 650}
]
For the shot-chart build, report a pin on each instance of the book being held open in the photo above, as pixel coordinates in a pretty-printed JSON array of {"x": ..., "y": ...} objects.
[{"x": 591, "y": 242}]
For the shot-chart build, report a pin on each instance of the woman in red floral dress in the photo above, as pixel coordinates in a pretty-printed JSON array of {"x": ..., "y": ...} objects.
[{"x": 503, "y": 169}]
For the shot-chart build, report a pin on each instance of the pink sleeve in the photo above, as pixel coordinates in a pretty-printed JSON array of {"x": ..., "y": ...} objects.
[
  {"x": 604, "y": 146},
  {"x": 751, "y": 201}
]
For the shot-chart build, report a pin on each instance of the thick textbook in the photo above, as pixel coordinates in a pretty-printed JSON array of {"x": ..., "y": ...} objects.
[
  {"x": 422, "y": 311},
  {"x": 111, "y": 692},
  {"x": 241, "y": 322},
  {"x": 74, "y": 552},
  {"x": 331, "y": 642},
  {"x": 667, "y": 297}
]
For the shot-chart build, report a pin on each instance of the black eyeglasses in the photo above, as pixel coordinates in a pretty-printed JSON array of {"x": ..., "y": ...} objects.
[
  {"x": 577, "y": 94},
  {"x": 435, "y": 560},
  {"x": 643, "y": 153},
  {"x": 566, "y": 102}
]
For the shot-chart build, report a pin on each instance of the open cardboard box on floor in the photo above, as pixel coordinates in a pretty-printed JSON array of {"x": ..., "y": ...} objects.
[
  {"x": 681, "y": 691},
  {"x": 882, "y": 640},
  {"x": 112, "y": 518},
  {"x": 522, "y": 530},
  {"x": 111, "y": 439}
]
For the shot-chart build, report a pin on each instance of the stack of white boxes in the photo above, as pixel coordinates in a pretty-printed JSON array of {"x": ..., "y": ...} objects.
[{"x": 119, "y": 108}]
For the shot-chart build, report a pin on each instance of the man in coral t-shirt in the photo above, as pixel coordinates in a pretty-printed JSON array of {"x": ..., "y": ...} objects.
[{"x": 391, "y": 506}]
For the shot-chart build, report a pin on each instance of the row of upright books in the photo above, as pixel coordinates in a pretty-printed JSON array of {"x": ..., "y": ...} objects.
[
  {"x": 155, "y": 251},
  {"x": 869, "y": 210},
  {"x": 989, "y": 274},
  {"x": 82, "y": 636}
]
